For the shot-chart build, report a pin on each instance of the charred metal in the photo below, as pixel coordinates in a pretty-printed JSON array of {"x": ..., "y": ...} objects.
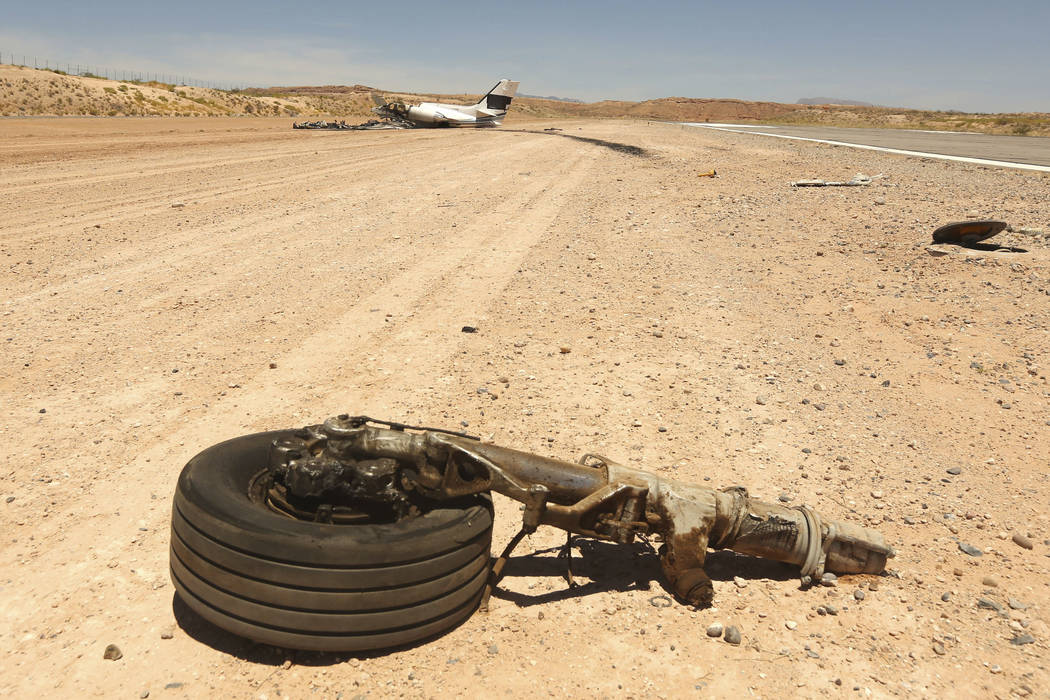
[{"x": 350, "y": 465}]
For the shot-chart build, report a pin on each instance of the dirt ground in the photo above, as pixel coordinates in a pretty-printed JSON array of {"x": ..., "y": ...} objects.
[{"x": 729, "y": 330}]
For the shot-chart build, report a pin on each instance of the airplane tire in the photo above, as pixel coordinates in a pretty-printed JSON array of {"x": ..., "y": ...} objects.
[{"x": 304, "y": 585}]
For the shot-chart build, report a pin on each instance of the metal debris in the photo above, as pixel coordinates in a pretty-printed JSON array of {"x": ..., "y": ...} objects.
[
  {"x": 967, "y": 233},
  {"x": 859, "y": 180},
  {"x": 371, "y": 125},
  {"x": 350, "y": 465}
]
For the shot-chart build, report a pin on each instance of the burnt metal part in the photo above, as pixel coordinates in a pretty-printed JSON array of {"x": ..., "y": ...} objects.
[
  {"x": 967, "y": 232},
  {"x": 350, "y": 460},
  {"x": 389, "y": 121}
]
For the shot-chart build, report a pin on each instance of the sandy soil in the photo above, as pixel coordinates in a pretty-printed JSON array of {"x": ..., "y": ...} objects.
[{"x": 797, "y": 342}]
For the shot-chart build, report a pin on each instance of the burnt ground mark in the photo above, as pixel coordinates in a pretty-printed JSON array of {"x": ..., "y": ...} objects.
[{"x": 618, "y": 147}]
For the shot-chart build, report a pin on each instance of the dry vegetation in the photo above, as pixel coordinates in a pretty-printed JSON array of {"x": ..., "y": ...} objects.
[{"x": 32, "y": 92}]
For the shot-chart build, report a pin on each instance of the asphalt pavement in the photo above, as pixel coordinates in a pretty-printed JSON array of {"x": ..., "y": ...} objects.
[{"x": 1028, "y": 150}]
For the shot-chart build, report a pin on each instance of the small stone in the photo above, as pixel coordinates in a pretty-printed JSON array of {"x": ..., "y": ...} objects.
[
  {"x": 987, "y": 604},
  {"x": 714, "y": 629},
  {"x": 946, "y": 596},
  {"x": 144, "y": 694},
  {"x": 859, "y": 594},
  {"x": 636, "y": 423},
  {"x": 1023, "y": 639},
  {"x": 785, "y": 498},
  {"x": 287, "y": 664},
  {"x": 273, "y": 365},
  {"x": 989, "y": 582},
  {"x": 1022, "y": 541},
  {"x": 740, "y": 582},
  {"x": 877, "y": 494},
  {"x": 880, "y": 200},
  {"x": 791, "y": 625},
  {"x": 539, "y": 616},
  {"x": 873, "y": 585},
  {"x": 662, "y": 429},
  {"x": 812, "y": 654},
  {"x": 840, "y": 362},
  {"x": 938, "y": 649},
  {"x": 954, "y": 471},
  {"x": 564, "y": 349},
  {"x": 9, "y": 499},
  {"x": 112, "y": 653},
  {"x": 829, "y": 579},
  {"x": 167, "y": 633},
  {"x": 733, "y": 635},
  {"x": 178, "y": 205},
  {"x": 831, "y": 610},
  {"x": 969, "y": 549},
  {"x": 760, "y": 400},
  {"x": 1015, "y": 604},
  {"x": 174, "y": 685},
  {"x": 493, "y": 649},
  {"x": 468, "y": 329}
]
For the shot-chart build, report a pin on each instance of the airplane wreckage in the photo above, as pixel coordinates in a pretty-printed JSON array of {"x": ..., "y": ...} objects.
[
  {"x": 489, "y": 111},
  {"x": 359, "y": 534}
]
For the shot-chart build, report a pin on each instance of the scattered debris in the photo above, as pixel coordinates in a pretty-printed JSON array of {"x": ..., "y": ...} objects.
[
  {"x": 660, "y": 601},
  {"x": 966, "y": 233},
  {"x": 371, "y": 125},
  {"x": 709, "y": 173},
  {"x": 859, "y": 180}
]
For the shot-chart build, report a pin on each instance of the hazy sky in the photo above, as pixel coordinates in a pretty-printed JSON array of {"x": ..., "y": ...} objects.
[{"x": 961, "y": 54}]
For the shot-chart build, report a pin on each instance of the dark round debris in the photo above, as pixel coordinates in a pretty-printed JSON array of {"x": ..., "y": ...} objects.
[
  {"x": 112, "y": 652},
  {"x": 967, "y": 232},
  {"x": 469, "y": 329}
]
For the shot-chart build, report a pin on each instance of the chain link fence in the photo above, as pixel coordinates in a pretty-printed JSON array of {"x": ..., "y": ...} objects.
[{"x": 91, "y": 70}]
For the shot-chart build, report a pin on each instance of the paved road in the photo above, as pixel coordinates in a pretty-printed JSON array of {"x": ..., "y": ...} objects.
[{"x": 1031, "y": 150}]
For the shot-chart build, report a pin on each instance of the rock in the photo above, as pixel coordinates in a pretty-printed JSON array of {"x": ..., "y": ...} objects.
[
  {"x": 760, "y": 400},
  {"x": 740, "y": 582},
  {"x": 144, "y": 694},
  {"x": 112, "y": 653},
  {"x": 791, "y": 625},
  {"x": 989, "y": 582},
  {"x": 1015, "y": 604},
  {"x": 877, "y": 494},
  {"x": 178, "y": 205},
  {"x": 493, "y": 649},
  {"x": 167, "y": 633},
  {"x": 840, "y": 362},
  {"x": 829, "y": 579},
  {"x": 987, "y": 604},
  {"x": 1022, "y": 541},
  {"x": 873, "y": 585},
  {"x": 273, "y": 365},
  {"x": 1023, "y": 639},
  {"x": 733, "y": 635},
  {"x": 564, "y": 349},
  {"x": 9, "y": 499},
  {"x": 880, "y": 200},
  {"x": 785, "y": 498},
  {"x": 714, "y": 629},
  {"x": 859, "y": 594},
  {"x": 938, "y": 648},
  {"x": 469, "y": 329},
  {"x": 969, "y": 549},
  {"x": 954, "y": 471},
  {"x": 946, "y": 596}
]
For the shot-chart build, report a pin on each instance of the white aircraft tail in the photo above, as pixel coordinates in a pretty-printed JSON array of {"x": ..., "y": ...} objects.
[{"x": 497, "y": 100}]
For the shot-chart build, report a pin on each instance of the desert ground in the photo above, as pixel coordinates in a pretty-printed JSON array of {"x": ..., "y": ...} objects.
[{"x": 169, "y": 283}]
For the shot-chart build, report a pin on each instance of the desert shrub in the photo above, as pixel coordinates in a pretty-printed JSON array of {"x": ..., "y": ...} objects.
[{"x": 110, "y": 90}]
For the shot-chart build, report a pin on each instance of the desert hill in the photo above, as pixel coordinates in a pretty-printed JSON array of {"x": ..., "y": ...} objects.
[{"x": 32, "y": 92}]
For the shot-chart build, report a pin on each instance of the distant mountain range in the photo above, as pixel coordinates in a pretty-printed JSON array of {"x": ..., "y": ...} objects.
[
  {"x": 551, "y": 97},
  {"x": 832, "y": 101}
]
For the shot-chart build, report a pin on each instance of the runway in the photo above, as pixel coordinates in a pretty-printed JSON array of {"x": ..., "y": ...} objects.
[{"x": 1023, "y": 152}]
